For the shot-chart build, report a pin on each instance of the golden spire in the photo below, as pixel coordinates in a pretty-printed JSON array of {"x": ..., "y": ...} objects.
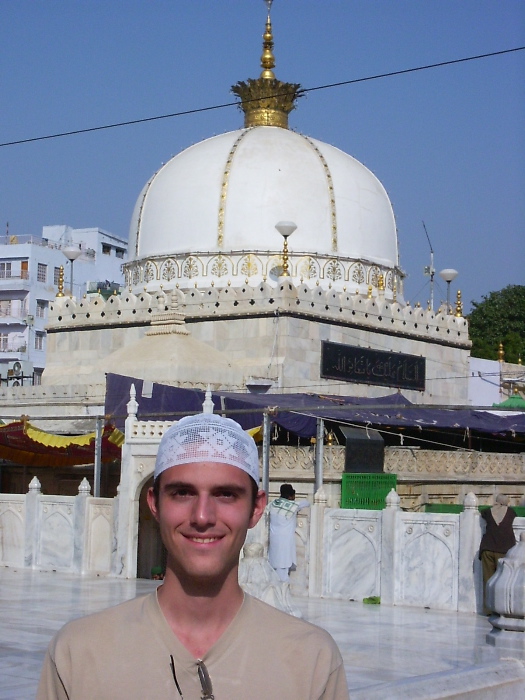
[
  {"x": 266, "y": 101},
  {"x": 501, "y": 353},
  {"x": 61, "y": 281},
  {"x": 459, "y": 305}
]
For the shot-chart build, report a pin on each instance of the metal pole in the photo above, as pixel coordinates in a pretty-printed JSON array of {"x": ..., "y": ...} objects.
[
  {"x": 99, "y": 429},
  {"x": 71, "y": 278},
  {"x": 266, "y": 453},
  {"x": 319, "y": 455}
]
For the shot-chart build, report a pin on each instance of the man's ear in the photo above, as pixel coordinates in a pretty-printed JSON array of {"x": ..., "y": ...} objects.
[
  {"x": 152, "y": 503},
  {"x": 258, "y": 509}
]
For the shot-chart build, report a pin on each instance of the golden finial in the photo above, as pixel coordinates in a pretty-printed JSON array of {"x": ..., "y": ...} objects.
[
  {"x": 519, "y": 359},
  {"x": 266, "y": 101},
  {"x": 369, "y": 291},
  {"x": 459, "y": 304},
  {"x": 381, "y": 283},
  {"x": 60, "y": 281},
  {"x": 285, "y": 272},
  {"x": 501, "y": 353},
  {"x": 267, "y": 58}
]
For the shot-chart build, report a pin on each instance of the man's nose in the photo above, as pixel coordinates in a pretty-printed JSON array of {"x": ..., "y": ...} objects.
[{"x": 204, "y": 512}]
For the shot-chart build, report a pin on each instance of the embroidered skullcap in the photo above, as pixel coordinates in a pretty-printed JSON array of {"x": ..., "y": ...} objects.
[{"x": 208, "y": 437}]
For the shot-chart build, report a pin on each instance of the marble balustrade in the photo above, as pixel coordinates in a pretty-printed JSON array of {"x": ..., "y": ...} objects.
[
  {"x": 72, "y": 534},
  {"x": 427, "y": 560}
]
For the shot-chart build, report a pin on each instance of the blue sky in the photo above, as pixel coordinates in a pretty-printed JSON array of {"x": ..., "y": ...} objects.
[{"x": 448, "y": 144}]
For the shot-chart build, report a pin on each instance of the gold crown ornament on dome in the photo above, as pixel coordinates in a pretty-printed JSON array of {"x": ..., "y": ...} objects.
[{"x": 267, "y": 101}]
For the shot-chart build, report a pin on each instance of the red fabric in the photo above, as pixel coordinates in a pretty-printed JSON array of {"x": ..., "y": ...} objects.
[{"x": 16, "y": 446}]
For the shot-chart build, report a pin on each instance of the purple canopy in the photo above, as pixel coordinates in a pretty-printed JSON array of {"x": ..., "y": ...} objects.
[{"x": 298, "y": 413}]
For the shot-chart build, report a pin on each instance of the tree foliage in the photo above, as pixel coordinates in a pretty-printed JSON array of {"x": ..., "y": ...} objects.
[{"x": 499, "y": 318}]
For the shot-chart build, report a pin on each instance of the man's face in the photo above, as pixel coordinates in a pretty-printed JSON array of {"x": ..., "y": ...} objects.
[{"x": 204, "y": 510}]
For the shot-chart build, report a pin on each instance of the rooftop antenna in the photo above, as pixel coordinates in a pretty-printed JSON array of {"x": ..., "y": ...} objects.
[{"x": 430, "y": 269}]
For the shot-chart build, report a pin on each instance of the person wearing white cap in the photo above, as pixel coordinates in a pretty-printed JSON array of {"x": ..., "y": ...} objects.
[{"x": 198, "y": 636}]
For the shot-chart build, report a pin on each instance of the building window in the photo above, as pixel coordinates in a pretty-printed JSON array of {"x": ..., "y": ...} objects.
[
  {"x": 39, "y": 341},
  {"x": 37, "y": 377},
  {"x": 5, "y": 270},
  {"x": 4, "y": 341},
  {"x": 5, "y": 307},
  {"x": 41, "y": 307},
  {"x": 56, "y": 276},
  {"x": 41, "y": 274},
  {"x": 106, "y": 249},
  {"x": 119, "y": 252}
]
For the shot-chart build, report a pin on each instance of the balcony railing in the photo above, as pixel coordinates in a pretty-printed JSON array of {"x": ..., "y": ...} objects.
[
  {"x": 7, "y": 275},
  {"x": 33, "y": 240}
]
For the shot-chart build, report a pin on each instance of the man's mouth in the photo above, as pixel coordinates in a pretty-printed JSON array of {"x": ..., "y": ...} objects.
[{"x": 204, "y": 540}]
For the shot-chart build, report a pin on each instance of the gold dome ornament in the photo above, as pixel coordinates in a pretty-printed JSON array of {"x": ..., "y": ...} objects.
[
  {"x": 267, "y": 101},
  {"x": 459, "y": 304}
]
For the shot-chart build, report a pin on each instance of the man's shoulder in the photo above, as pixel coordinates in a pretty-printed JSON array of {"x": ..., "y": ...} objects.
[
  {"x": 108, "y": 621},
  {"x": 283, "y": 625}
]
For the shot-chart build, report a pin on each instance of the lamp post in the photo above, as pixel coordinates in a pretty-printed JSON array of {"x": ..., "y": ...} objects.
[
  {"x": 285, "y": 228},
  {"x": 71, "y": 252},
  {"x": 448, "y": 275}
]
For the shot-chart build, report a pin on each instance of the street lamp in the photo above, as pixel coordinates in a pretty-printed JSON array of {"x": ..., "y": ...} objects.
[
  {"x": 285, "y": 228},
  {"x": 448, "y": 275},
  {"x": 71, "y": 252}
]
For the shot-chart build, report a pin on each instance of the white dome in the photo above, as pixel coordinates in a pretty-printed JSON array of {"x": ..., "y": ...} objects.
[{"x": 227, "y": 193}]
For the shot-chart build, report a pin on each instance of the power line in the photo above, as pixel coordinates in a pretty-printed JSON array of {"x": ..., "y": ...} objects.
[{"x": 234, "y": 104}]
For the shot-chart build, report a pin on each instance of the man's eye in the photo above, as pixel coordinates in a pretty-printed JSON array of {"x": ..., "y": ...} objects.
[
  {"x": 181, "y": 493},
  {"x": 227, "y": 495}
]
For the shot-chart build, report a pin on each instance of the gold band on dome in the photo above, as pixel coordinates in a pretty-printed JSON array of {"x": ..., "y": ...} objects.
[
  {"x": 224, "y": 190},
  {"x": 330, "y": 183}
]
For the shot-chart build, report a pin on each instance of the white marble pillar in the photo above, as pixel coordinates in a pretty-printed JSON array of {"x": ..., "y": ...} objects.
[
  {"x": 389, "y": 521},
  {"x": 32, "y": 522},
  {"x": 316, "y": 553},
  {"x": 79, "y": 526},
  {"x": 470, "y": 584}
]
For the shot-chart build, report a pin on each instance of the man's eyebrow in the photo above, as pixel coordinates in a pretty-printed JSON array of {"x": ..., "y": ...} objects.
[
  {"x": 173, "y": 485},
  {"x": 178, "y": 485},
  {"x": 237, "y": 488}
]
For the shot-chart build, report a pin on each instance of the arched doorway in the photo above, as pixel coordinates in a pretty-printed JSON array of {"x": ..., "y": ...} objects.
[{"x": 150, "y": 550}]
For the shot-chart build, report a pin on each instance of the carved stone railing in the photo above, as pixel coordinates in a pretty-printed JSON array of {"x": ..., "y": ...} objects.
[
  {"x": 376, "y": 312},
  {"x": 297, "y": 463}
]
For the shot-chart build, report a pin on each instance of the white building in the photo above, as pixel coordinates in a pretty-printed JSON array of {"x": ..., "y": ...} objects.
[{"x": 30, "y": 269}]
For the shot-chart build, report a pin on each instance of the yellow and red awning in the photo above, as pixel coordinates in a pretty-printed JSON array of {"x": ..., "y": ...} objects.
[{"x": 22, "y": 443}]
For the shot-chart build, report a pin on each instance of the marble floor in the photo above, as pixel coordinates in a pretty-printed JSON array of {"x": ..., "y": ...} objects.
[{"x": 381, "y": 646}]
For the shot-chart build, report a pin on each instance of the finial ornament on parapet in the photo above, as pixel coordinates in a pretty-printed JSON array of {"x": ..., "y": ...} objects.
[
  {"x": 60, "y": 281},
  {"x": 459, "y": 305},
  {"x": 207, "y": 404},
  {"x": 266, "y": 101}
]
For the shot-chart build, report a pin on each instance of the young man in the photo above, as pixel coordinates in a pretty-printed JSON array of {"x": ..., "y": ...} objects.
[
  {"x": 282, "y": 553},
  {"x": 198, "y": 636}
]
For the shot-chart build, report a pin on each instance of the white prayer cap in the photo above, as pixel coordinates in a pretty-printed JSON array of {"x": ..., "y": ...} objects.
[{"x": 207, "y": 437}]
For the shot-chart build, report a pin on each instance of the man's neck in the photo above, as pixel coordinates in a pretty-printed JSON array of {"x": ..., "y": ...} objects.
[{"x": 200, "y": 613}]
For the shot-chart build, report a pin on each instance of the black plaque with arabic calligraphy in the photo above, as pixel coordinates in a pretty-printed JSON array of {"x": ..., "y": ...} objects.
[{"x": 352, "y": 364}]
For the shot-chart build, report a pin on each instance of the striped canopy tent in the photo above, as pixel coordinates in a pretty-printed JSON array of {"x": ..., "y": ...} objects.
[{"x": 22, "y": 443}]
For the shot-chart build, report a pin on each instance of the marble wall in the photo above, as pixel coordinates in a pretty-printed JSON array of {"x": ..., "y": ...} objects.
[
  {"x": 426, "y": 560},
  {"x": 61, "y": 533}
]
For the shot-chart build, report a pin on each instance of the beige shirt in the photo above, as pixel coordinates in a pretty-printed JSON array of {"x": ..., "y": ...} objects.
[{"x": 124, "y": 652}]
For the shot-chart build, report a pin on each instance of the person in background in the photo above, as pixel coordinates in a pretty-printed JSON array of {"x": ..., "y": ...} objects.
[
  {"x": 498, "y": 538},
  {"x": 282, "y": 553}
]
